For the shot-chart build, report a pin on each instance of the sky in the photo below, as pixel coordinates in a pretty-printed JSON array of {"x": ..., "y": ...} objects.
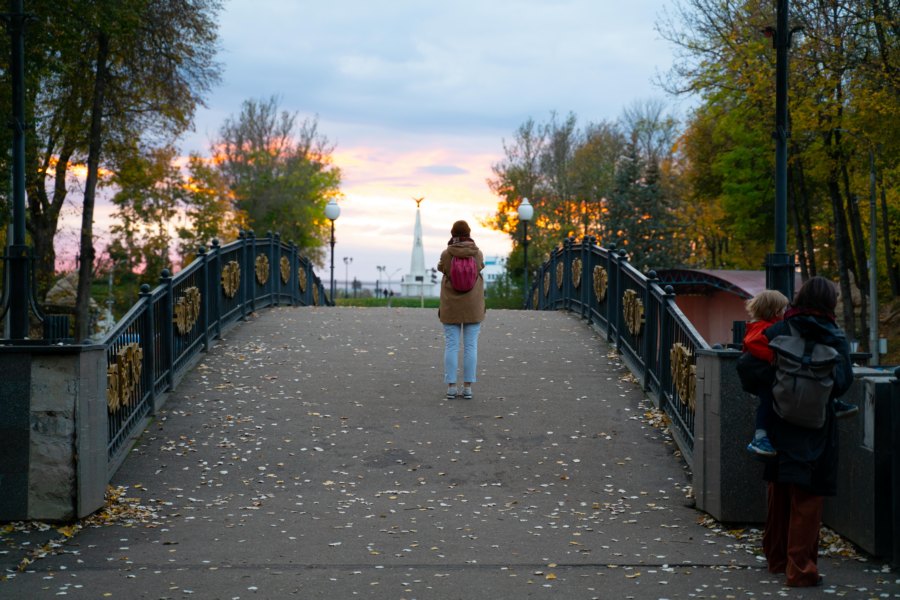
[{"x": 418, "y": 98}]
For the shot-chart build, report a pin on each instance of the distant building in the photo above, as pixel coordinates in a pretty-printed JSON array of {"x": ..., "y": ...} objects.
[{"x": 494, "y": 269}]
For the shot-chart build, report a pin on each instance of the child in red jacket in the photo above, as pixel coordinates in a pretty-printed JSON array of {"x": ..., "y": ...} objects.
[{"x": 764, "y": 310}]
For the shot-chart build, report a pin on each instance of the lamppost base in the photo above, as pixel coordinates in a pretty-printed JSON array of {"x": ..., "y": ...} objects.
[{"x": 780, "y": 268}]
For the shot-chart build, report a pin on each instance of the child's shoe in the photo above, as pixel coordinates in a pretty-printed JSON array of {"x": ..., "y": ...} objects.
[
  {"x": 761, "y": 446},
  {"x": 467, "y": 393},
  {"x": 451, "y": 393},
  {"x": 842, "y": 409}
]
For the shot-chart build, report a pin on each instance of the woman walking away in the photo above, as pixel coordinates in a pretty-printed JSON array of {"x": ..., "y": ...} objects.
[
  {"x": 805, "y": 469},
  {"x": 462, "y": 306}
]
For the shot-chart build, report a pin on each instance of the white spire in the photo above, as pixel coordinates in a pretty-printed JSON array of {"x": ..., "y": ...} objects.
[
  {"x": 417, "y": 281},
  {"x": 417, "y": 264}
]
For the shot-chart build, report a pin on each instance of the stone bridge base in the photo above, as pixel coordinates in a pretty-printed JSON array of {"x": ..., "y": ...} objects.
[{"x": 53, "y": 430}]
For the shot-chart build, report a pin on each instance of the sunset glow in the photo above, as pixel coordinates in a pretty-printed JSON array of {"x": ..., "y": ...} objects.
[{"x": 378, "y": 211}]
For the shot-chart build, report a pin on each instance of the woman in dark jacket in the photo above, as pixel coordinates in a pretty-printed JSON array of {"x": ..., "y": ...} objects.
[{"x": 805, "y": 469}]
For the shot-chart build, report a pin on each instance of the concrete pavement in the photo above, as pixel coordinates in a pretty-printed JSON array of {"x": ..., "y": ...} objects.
[{"x": 312, "y": 454}]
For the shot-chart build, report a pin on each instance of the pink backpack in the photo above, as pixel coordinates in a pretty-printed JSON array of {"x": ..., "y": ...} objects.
[{"x": 463, "y": 273}]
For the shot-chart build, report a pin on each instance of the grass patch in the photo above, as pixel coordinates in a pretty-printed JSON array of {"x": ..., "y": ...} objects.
[{"x": 395, "y": 302}]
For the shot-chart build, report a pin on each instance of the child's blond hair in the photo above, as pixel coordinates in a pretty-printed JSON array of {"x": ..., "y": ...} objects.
[{"x": 766, "y": 305}]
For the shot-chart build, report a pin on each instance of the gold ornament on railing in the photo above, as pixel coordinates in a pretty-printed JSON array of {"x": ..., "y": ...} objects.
[
  {"x": 301, "y": 278},
  {"x": 123, "y": 376},
  {"x": 684, "y": 374},
  {"x": 601, "y": 283},
  {"x": 576, "y": 273},
  {"x": 285, "y": 269},
  {"x": 262, "y": 269},
  {"x": 315, "y": 295},
  {"x": 187, "y": 310},
  {"x": 633, "y": 311},
  {"x": 547, "y": 284},
  {"x": 231, "y": 278},
  {"x": 560, "y": 269}
]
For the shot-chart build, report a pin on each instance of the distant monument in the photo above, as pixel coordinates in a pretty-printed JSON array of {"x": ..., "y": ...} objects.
[{"x": 417, "y": 277}]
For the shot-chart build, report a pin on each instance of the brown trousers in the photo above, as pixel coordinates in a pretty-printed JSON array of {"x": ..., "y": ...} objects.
[{"x": 791, "y": 537}]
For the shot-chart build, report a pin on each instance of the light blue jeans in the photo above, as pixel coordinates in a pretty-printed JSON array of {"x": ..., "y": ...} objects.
[{"x": 470, "y": 351}]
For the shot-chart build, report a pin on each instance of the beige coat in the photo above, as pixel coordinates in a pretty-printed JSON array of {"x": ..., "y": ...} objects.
[{"x": 461, "y": 307}]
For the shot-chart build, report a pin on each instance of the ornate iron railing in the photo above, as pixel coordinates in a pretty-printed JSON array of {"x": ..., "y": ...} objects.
[
  {"x": 638, "y": 316},
  {"x": 162, "y": 335}
]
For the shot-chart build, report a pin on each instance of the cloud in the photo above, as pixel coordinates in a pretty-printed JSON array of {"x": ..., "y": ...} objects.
[
  {"x": 442, "y": 170},
  {"x": 461, "y": 66}
]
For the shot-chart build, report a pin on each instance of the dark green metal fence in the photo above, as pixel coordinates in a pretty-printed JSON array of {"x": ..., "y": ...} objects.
[
  {"x": 162, "y": 335},
  {"x": 638, "y": 316}
]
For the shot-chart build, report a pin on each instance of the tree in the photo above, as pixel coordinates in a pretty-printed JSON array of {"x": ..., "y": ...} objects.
[
  {"x": 150, "y": 190},
  {"x": 640, "y": 218},
  {"x": 594, "y": 172},
  {"x": 571, "y": 177},
  {"x": 209, "y": 209},
  {"x": 844, "y": 87},
  {"x": 102, "y": 75},
  {"x": 519, "y": 176},
  {"x": 705, "y": 220},
  {"x": 280, "y": 173}
]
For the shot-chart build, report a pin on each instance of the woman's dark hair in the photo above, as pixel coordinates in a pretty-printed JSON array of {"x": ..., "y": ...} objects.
[
  {"x": 817, "y": 293},
  {"x": 460, "y": 229}
]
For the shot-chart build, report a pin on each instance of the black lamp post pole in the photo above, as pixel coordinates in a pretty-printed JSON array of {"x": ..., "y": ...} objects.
[
  {"x": 20, "y": 290},
  {"x": 525, "y": 251},
  {"x": 780, "y": 264},
  {"x": 873, "y": 262},
  {"x": 332, "y": 260}
]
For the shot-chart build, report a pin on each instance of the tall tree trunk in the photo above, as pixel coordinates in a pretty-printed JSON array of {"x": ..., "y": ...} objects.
[
  {"x": 859, "y": 252},
  {"x": 86, "y": 267},
  {"x": 44, "y": 220},
  {"x": 806, "y": 218},
  {"x": 893, "y": 268},
  {"x": 884, "y": 14},
  {"x": 794, "y": 202},
  {"x": 843, "y": 258},
  {"x": 842, "y": 249}
]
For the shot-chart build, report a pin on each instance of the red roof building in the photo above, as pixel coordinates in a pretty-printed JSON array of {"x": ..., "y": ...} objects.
[{"x": 713, "y": 300}]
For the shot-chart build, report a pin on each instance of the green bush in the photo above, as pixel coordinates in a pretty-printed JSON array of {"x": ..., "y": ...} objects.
[{"x": 504, "y": 293}]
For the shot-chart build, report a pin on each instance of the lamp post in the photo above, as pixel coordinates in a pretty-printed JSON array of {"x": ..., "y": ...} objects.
[
  {"x": 381, "y": 270},
  {"x": 526, "y": 211},
  {"x": 347, "y": 261},
  {"x": 391, "y": 289},
  {"x": 17, "y": 249},
  {"x": 873, "y": 250},
  {"x": 874, "y": 346},
  {"x": 332, "y": 212},
  {"x": 780, "y": 264}
]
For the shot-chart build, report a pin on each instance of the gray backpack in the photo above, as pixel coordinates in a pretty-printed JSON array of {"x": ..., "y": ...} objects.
[{"x": 803, "y": 379}]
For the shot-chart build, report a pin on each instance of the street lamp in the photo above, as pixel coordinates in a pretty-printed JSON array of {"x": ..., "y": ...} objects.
[
  {"x": 780, "y": 264},
  {"x": 391, "y": 289},
  {"x": 381, "y": 270},
  {"x": 347, "y": 261},
  {"x": 332, "y": 212},
  {"x": 874, "y": 349},
  {"x": 526, "y": 211},
  {"x": 17, "y": 251}
]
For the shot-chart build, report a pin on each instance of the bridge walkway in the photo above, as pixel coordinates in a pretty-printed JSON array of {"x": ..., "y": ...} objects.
[{"x": 312, "y": 454}]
